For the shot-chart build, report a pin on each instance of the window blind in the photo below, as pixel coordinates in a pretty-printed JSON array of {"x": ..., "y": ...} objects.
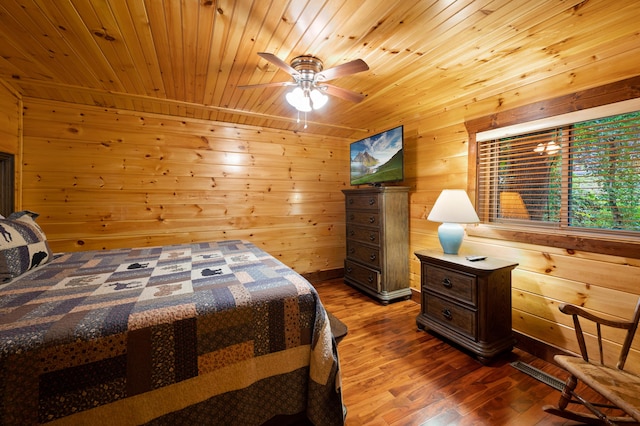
[{"x": 581, "y": 175}]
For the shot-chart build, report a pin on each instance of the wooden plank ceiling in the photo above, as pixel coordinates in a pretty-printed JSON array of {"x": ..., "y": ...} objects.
[{"x": 187, "y": 58}]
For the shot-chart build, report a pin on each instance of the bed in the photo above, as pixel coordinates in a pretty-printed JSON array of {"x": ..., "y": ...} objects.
[{"x": 205, "y": 333}]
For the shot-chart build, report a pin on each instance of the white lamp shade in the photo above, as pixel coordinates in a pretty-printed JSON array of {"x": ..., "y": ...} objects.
[{"x": 453, "y": 206}]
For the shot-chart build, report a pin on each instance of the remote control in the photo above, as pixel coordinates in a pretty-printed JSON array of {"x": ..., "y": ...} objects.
[{"x": 475, "y": 258}]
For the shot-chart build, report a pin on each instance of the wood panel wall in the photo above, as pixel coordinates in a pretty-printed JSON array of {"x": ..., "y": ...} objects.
[
  {"x": 104, "y": 178},
  {"x": 11, "y": 132},
  {"x": 9, "y": 120},
  {"x": 546, "y": 276}
]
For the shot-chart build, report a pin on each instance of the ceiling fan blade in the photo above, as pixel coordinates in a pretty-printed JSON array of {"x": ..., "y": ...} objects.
[
  {"x": 278, "y": 62},
  {"x": 348, "y": 68},
  {"x": 339, "y": 92},
  {"x": 276, "y": 84}
]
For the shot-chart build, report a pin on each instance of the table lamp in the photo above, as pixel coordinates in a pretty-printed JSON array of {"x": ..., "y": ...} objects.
[{"x": 452, "y": 208}]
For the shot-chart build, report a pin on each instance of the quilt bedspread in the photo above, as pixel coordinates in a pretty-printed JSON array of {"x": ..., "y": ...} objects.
[{"x": 93, "y": 328}]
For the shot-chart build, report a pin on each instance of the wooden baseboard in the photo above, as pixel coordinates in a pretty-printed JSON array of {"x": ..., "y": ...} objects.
[
  {"x": 538, "y": 348},
  {"x": 319, "y": 276},
  {"x": 415, "y": 296}
]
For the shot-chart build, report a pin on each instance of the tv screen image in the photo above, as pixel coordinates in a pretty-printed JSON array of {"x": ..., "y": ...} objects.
[{"x": 378, "y": 159}]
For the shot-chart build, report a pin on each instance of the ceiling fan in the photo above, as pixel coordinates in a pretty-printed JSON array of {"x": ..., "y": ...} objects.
[{"x": 310, "y": 79}]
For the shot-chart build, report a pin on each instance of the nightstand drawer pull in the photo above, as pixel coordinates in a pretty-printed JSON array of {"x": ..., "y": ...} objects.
[
  {"x": 447, "y": 283},
  {"x": 372, "y": 237},
  {"x": 447, "y": 314},
  {"x": 372, "y": 257},
  {"x": 372, "y": 219},
  {"x": 372, "y": 201}
]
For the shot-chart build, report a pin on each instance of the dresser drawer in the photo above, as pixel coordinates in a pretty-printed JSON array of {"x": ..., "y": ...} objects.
[
  {"x": 366, "y": 235},
  {"x": 363, "y": 218},
  {"x": 369, "y": 256},
  {"x": 362, "y": 201},
  {"x": 450, "y": 315},
  {"x": 362, "y": 275},
  {"x": 450, "y": 283}
]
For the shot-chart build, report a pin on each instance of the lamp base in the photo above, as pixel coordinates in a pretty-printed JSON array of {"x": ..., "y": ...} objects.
[{"x": 450, "y": 236}]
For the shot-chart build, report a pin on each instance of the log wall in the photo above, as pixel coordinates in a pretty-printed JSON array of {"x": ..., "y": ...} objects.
[{"x": 104, "y": 178}]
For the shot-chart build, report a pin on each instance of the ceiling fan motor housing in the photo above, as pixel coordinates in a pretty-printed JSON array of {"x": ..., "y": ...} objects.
[{"x": 307, "y": 67}]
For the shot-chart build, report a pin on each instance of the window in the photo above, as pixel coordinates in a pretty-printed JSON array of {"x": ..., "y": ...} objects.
[
  {"x": 563, "y": 172},
  {"x": 584, "y": 176}
]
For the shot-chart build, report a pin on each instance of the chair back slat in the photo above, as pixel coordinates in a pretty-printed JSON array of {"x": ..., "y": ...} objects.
[
  {"x": 600, "y": 343},
  {"x": 631, "y": 332},
  {"x": 580, "y": 337}
]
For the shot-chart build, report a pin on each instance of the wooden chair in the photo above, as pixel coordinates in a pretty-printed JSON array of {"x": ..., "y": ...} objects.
[{"x": 620, "y": 387}]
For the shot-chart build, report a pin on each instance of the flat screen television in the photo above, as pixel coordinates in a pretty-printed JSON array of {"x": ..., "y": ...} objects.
[{"x": 378, "y": 159}]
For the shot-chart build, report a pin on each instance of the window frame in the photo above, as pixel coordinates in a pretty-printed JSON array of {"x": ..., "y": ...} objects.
[{"x": 545, "y": 111}]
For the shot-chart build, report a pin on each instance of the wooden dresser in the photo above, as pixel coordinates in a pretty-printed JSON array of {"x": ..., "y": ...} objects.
[
  {"x": 377, "y": 224},
  {"x": 467, "y": 302}
]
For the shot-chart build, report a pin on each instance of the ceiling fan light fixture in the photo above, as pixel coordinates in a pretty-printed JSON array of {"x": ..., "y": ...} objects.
[
  {"x": 310, "y": 76},
  {"x": 299, "y": 99},
  {"x": 318, "y": 99}
]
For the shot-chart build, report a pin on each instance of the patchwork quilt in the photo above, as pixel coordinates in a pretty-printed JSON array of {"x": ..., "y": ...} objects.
[{"x": 215, "y": 333}]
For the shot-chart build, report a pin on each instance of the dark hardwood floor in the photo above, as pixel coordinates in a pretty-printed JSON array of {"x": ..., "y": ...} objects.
[{"x": 394, "y": 374}]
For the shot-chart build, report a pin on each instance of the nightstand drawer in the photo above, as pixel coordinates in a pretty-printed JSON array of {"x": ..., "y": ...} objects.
[
  {"x": 362, "y": 275},
  {"x": 367, "y": 255},
  {"x": 365, "y": 235},
  {"x": 451, "y": 284},
  {"x": 362, "y": 201},
  {"x": 450, "y": 315}
]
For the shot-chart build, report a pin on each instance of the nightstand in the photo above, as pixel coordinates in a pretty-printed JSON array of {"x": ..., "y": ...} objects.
[{"x": 467, "y": 302}]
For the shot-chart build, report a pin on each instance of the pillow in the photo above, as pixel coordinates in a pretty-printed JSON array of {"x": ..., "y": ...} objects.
[{"x": 23, "y": 245}]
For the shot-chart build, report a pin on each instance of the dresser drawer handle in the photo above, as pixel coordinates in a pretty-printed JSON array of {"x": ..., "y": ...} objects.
[
  {"x": 349, "y": 269},
  {"x": 370, "y": 279},
  {"x": 372, "y": 257},
  {"x": 350, "y": 200},
  {"x": 372, "y": 201},
  {"x": 372, "y": 219},
  {"x": 352, "y": 250},
  {"x": 447, "y": 314},
  {"x": 351, "y": 216},
  {"x": 447, "y": 283},
  {"x": 372, "y": 237},
  {"x": 352, "y": 232}
]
